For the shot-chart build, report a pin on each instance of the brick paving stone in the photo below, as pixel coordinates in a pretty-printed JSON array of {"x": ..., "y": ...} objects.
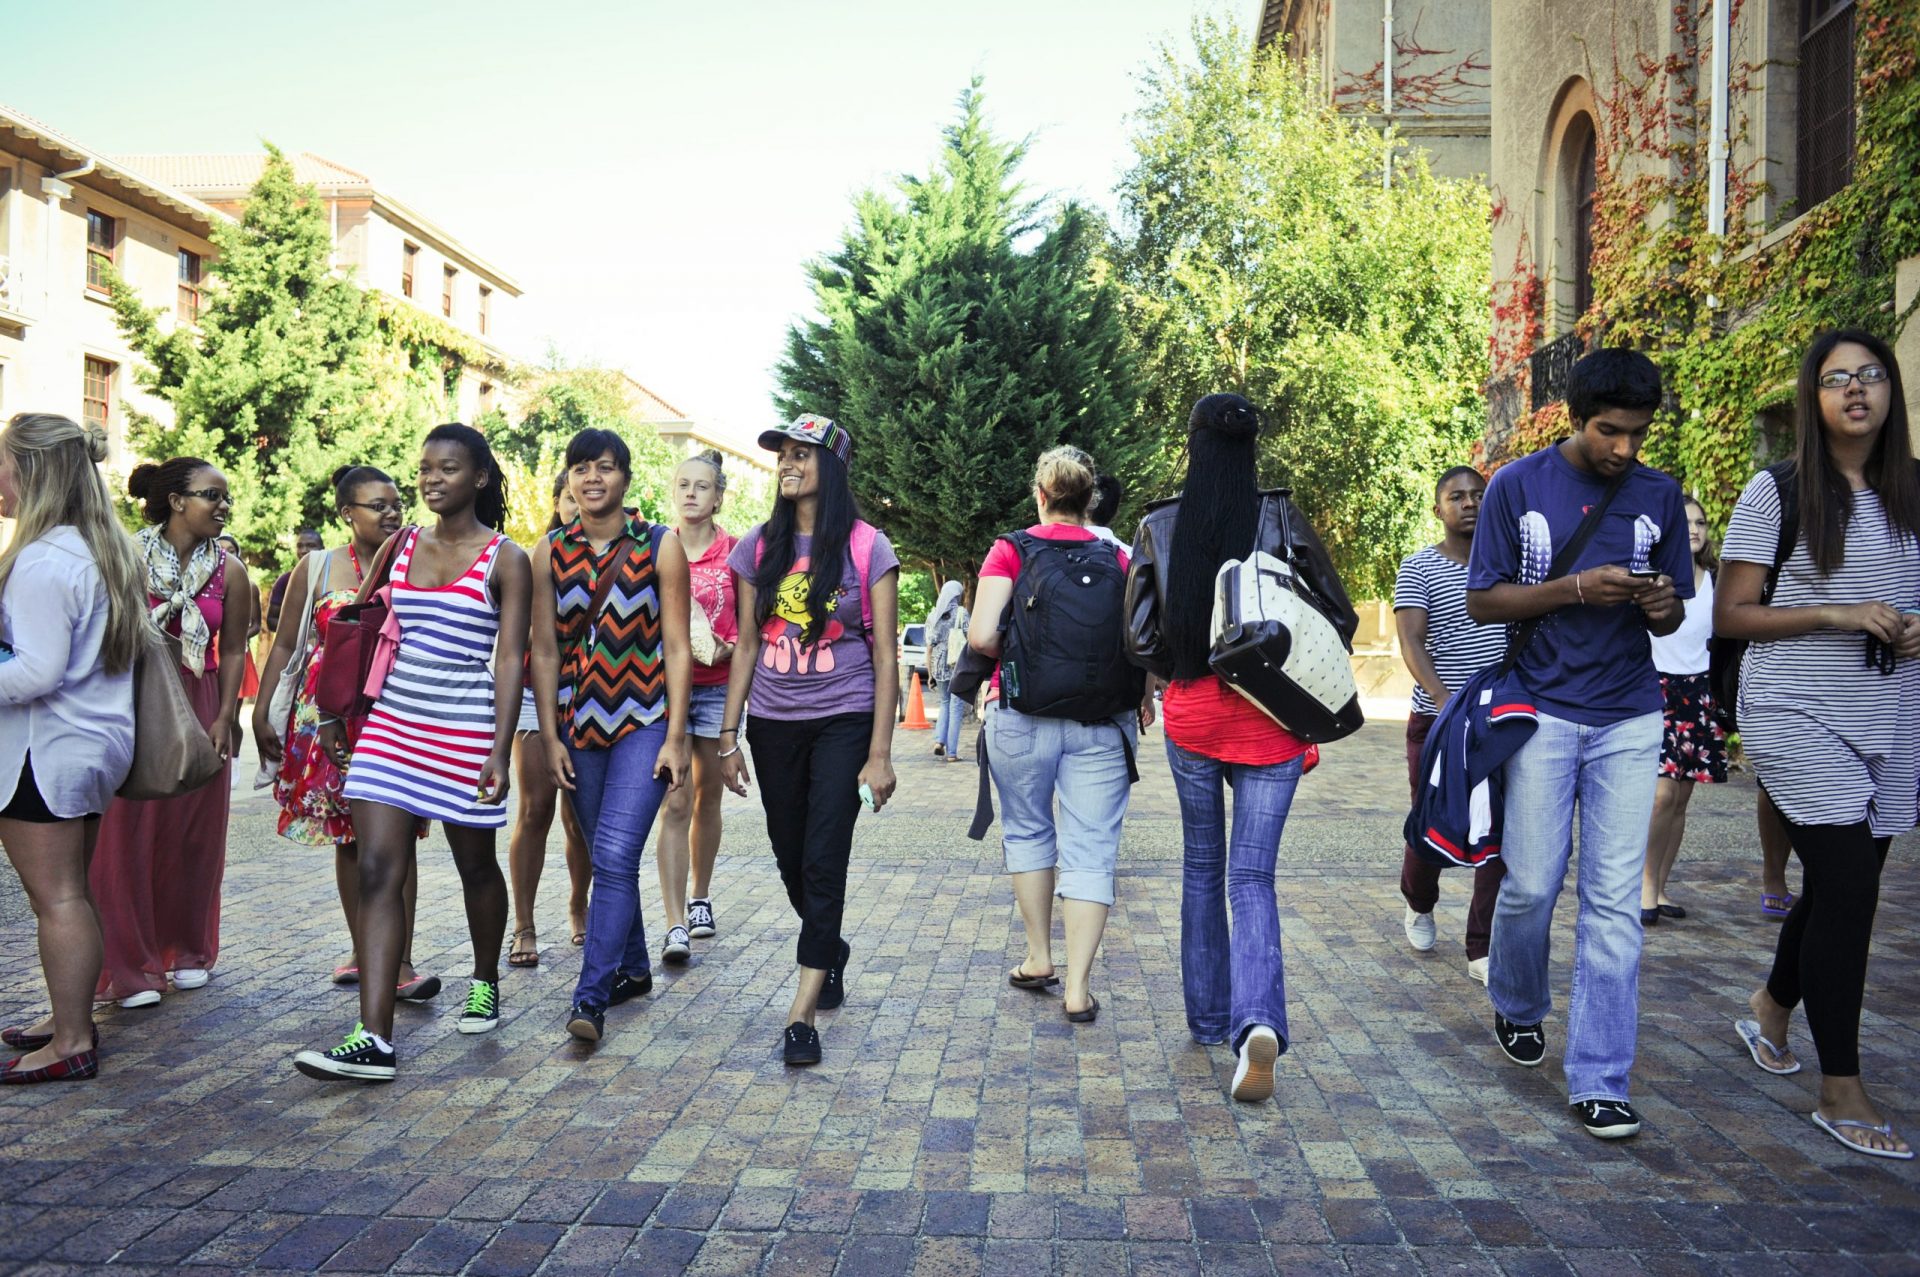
[
  {"x": 888, "y": 1211},
  {"x": 515, "y": 1250},
  {"x": 379, "y": 1247},
  {"x": 446, "y": 1247},
  {"x": 628, "y": 1205},
  {"x": 951, "y": 1213},
  {"x": 593, "y": 1249},
  {"x": 1020, "y": 1215},
  {"x": 1163, "y": 1259},
  {"x": 875, "y": 1255},
  {"x": 803, "y": 1255}
]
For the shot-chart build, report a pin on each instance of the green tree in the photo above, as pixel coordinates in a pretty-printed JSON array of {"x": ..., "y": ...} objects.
[
  {"x": 962, "y": 330},
  {"x": 288, "y": 375},
  {"x": 1261, "y": 255},
  {"x": 563, "y": 402}
]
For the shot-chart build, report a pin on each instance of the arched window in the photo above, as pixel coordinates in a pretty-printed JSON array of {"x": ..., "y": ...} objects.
[
  {"x": 1585, "y": 179},
  {"x": 1824, "y": 154}
]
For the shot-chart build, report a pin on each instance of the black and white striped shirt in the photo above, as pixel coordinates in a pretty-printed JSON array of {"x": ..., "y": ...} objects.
[
  {"x": 1833, "y": 740},
  {"x": 1458, "y": 645}
]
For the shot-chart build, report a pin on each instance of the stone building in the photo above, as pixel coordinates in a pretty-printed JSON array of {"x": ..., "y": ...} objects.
[{"x": 1435, "y": 89}]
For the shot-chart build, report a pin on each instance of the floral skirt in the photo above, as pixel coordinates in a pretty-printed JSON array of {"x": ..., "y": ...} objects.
[
  {"x": 313, "y": 810},
  {"x": 1694, "y": 746}
]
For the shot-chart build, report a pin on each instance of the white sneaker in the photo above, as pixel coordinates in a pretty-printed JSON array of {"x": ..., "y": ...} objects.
[
  {"x": 1477, "y": 968},
  {"x": 1420, "y": 929},
  {"x": 189, "y": 978},
  {"x": 144, "y": 998},
  {"x": 1253, "y": 1074}
]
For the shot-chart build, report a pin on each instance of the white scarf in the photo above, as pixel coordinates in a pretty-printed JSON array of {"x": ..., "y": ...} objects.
[{"x": 176, "y": 589}]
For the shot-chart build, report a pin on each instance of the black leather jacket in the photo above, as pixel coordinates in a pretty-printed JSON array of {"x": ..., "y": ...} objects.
[{"x": 1283, "y": 532}]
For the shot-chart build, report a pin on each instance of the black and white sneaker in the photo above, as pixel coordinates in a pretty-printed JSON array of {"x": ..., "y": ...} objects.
[
  {"x": 586, "y": 1022},
  {"x": 627, "y": 987},
  {"x": 1608, "y": 1119},
  {"x": 483, "y": 1007},
  {"x": 360, "y": 1058},
  {"x": 1524, "y": 1044},
  {"x": 803, "y": 1044},
  {"x": 834, "y": 991},
  {"x": 678, "y": 947},
  {"x": 700, "y": 919}
]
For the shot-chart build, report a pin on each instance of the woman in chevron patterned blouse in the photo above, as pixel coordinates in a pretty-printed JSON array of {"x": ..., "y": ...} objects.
[{"x": 611, "y": 679}]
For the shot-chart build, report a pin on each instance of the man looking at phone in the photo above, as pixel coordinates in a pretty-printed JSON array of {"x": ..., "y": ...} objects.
[{"x": 1590, "y": 672}]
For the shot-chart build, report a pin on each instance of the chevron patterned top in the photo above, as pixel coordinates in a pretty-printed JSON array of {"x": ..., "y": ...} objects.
[{"x": 613, "y": 675}]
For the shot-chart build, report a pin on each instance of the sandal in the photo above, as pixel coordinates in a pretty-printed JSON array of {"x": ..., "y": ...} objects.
[
  {"x": 518, "y": 957},
  {"x": 1834, "y": 1126},
  {"x": 1772, "y": 906},
  {"x": 1749, "y": 1031},
  {"x": 1019, "y": 979},
  {"x": 346, "y": 975}
]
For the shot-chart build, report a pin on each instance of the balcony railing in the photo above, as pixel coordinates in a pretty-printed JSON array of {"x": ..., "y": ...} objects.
[{"x": 1550, "y": 366}]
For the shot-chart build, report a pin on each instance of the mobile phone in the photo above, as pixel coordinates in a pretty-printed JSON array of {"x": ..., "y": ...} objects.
[
  {"x": 866, "y": 796},
  {"x": 1643, "y": 574}
]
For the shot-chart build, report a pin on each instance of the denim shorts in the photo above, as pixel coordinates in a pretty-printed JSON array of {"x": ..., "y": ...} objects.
[
  {"x": 705, "y": 710},
  {"x": 529, "y": 716}
]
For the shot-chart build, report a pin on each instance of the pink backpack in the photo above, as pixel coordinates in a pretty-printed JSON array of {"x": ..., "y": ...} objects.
[{"x": 860, "y": 545}]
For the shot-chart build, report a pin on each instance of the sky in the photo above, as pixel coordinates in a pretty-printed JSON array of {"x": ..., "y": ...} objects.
[{"x": 654, "y": 176}]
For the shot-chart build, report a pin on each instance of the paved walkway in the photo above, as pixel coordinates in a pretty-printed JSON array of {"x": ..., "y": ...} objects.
[{"x": 957, "y": 1125}]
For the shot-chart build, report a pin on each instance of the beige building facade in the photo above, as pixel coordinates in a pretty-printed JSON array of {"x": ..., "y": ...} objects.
[
  {"x": 1434, "y": 90},
  {"x": 66, "y": 215}
]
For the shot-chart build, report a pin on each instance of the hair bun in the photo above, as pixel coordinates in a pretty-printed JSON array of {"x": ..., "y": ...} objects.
[
  {"x": 341, "y": 472},
  {"x": 140, "y": 482},
  {"x": 96, "y": 441},
  {"x": 713, "y": 457},
  {"x": 1225, "y": 414}
]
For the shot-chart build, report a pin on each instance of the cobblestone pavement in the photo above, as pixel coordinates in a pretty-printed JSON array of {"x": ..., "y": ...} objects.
[{"x": 957, "y": 1125}]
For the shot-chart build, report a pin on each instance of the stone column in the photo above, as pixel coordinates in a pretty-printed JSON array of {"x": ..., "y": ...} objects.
[{"x": 1906, "y": 346}]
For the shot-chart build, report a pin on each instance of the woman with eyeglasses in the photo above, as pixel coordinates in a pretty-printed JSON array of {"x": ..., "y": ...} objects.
[
  {"x": 1829, "y": 695},
  {"x": 306, "y": 782},
  {"x": 159, "y": 863}
]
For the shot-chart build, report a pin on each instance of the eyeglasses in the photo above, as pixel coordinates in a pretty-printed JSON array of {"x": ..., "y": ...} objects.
[
  {"x": 1840, "y": 378},
  {"x": 379, "y": 507},
  {"x": 212, "y": 496}
]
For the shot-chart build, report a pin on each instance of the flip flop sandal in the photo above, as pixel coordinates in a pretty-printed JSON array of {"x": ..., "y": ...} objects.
[
  {"x": 1020, "y": 980},
  {"x": 1749, "y": 1031},
  {"x": 346, "y": 975},
  {"x": 523, "y": 957},
  {"x": 1085, "y": 1016},
  {"x": 579, "y": 937},
  {"x": 419, "y": 989},
  {"x": 1772, "y": 906},
  {"x": 1835, "y": 1125}
]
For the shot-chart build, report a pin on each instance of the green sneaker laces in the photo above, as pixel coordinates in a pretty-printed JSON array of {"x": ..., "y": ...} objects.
[
  {"x": 356, "y": 1040},
  {"x": 481, "y": 997}
]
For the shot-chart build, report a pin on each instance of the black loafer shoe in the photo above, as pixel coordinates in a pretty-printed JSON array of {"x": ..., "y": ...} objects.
[
  {"x": 1649, "y": 917},
  {"x": 1524, "y": 1044},
  {"x": 802, "y": 1045},
  {"x": 626, "y": 988},
  {"x": 1671, "y": 911},
  {"x": 834, "y": 991},
  {"x": 1608, "y": 1119},
  {"x": 586, "y": 1022}
]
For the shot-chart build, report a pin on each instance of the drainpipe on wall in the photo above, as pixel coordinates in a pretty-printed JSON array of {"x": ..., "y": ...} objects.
[
  {"x": 1386, "y": 95},
  {"x": 1717, "y": 149},
  {"x": 54, "y": 186}
]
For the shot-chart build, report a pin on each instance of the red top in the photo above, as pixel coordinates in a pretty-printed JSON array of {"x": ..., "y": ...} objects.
[
  {"x": 712, "y": 583},
  {"x": 1205, "y": 716},
  {"x": 1004, "y": 561}
]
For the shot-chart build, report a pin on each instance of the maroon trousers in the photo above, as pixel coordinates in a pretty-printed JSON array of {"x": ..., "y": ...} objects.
[{"x": 1420, "y": 879}]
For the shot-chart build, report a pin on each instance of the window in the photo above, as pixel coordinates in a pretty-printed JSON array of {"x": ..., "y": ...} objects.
[
  {"x": 6, "y": 204},
  {"x": 407, "y": 253},
  {"x": 96, "y": 396},
  {"x": 1824, "y": 133},
  {"x": 1585, "y": 180},
  {"x": 486, "y": 397},
  {"x": 101, "y": 243},
  {"x": 188, "y": 306},
  {"x": 446, "y": 291},
  {"x": 486, "y": 308}
]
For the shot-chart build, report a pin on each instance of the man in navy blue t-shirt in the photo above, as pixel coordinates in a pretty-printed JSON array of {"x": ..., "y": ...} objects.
[{"x": 1590, "y": 670}]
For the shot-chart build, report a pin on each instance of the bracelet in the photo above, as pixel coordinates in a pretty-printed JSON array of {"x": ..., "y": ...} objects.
[
  {"x": 1577, "y": 591},
  {"x": 729, "y": 731},
  {"x": 728, "y": 753}
]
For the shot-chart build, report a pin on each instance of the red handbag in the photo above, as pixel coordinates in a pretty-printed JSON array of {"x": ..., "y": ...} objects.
[{"x": 353, "y": 643}]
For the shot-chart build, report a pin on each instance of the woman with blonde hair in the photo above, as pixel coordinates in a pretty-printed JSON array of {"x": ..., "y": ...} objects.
[{"x": 72, "y": 618}]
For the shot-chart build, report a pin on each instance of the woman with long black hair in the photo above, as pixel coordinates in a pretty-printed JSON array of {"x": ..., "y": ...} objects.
[
  {"x": 1829, "y": 695},
  {"x": 437, "y": 742},
  {"x": 816, "y": 587},
  {"x": 1233, "y": 977}
]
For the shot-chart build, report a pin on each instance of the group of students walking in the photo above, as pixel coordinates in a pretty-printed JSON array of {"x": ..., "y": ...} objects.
[{"x": 638, "y": 667}]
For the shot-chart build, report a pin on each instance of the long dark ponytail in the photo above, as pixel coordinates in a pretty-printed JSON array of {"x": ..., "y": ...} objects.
[
  {"x": 1219, "y": 516},
  {"x": 490, "y": 502},
  {"x": 833, "y": 518},
  {"x": 1826, "y": 498}
]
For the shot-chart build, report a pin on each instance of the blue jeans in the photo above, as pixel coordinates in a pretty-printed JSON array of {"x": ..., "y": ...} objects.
[
  {"x": 1234, "y": 978},
  {"x": 952, "y": 710},
  {"x": 1084, "y": 765},
  {"x": 615, "y": 798},
  {"x": 1610, "y": 772}
]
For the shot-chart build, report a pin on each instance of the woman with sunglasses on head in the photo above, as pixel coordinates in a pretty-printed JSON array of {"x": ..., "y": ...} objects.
[
  {"x": 307, "y": 784},
  {"x": 610, "y": 673},
  {"x": 816, "y": 585},
  {"x": 73, "y": 620},
  {"x": 437, "y": 742},
  {"x": 1829, "y": 695},
  {"x": 159, "y": 863},
  {"x": 539, "y": 798}
]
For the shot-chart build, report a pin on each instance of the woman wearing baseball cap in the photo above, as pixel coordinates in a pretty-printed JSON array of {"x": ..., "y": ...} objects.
[{"x": 815, "y": 584}]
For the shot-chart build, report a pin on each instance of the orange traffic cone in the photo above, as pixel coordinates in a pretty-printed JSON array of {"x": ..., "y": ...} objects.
[{"x": 916, "y": 720}]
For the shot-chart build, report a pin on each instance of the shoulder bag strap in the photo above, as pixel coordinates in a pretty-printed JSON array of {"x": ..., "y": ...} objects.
[
  {"x": 1562, "y": 564},
  {"x": 1786, "y": 483},
  {"x": 605, "y": 587},
  {"x": 860, "y": 546}
]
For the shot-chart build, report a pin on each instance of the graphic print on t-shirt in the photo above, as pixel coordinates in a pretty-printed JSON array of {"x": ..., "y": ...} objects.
[{"x": 780, "y": 645}]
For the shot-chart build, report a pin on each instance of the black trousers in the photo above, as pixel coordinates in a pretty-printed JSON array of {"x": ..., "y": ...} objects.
[
  {"x": 809, "y": 774},
  {"x": 1822, "y": 955}
]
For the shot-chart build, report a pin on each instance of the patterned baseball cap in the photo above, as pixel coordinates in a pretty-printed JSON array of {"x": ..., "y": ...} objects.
[{"x": 821, "y": 432}]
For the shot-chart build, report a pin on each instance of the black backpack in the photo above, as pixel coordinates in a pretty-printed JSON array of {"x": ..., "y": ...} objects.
[
  {"x": 1725, "y": 654},
  {"x": 1062, "y": 655}
]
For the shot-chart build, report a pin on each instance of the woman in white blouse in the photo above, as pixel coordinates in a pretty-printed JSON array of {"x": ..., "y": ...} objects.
[{"x": 72, "y": 618}]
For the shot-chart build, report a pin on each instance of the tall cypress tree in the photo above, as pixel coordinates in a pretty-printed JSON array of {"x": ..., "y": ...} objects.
[{"x": 961, "y": 331}]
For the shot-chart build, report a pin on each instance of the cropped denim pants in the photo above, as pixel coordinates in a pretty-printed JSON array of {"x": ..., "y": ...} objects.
[
  {"x": 1609, "y": 771},
  {"x": 952, "y": 711},
  {"x": 616, "y": 797},
  {"x": 1233, "y": 977},
  {"x": 1084, "y": 766}
]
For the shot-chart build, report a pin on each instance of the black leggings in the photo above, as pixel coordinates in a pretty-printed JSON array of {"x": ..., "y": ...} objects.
[{"x": 1822, "y": 955}]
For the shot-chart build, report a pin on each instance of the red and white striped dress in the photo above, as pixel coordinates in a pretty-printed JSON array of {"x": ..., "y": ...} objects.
[{"x": 430, "y": 732}]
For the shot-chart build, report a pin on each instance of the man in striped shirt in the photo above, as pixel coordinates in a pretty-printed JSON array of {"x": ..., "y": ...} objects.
[{"x": 1444, "y": 647}]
